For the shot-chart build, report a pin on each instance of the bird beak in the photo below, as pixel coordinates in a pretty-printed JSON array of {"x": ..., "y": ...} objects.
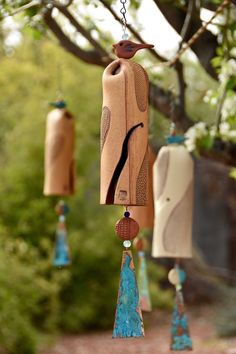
[{"x": 143, "y": 46}]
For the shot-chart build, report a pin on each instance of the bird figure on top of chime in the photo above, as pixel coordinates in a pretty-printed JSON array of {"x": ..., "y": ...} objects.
[
  {"x": 124, "y": 166},
  {"x": 59, "y": 178}
]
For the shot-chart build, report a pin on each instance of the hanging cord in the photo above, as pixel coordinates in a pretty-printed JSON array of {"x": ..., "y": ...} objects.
[
  {"x": 59, "y": 82},
  {"x": 224, "y": 88},
  {"x": 123, "y": 12}
]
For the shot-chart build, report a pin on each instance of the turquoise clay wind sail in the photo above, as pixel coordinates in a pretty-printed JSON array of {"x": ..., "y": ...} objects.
[
  {"x": 144, "y": 295},
  {"x": 61, "y": 258},
  {"x": 128, "y": 319},
  {"x": 180, "y": 338}
]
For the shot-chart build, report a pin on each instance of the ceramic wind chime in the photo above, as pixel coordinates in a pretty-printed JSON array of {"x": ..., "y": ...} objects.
[
  {"x": 124, "y": 167},
  {"x": 59, "y": 177},
  {"x": 144, "y": 215},
  {"x": 173, "y": 198}
]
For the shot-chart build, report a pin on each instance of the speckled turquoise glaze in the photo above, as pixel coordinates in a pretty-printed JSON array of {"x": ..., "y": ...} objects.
[
  {"x": 179, "y": 326},
  {"x": 61, "y": 258},
  {"x": 128, "y": 319},
  {"x": 144, "y": 295}
]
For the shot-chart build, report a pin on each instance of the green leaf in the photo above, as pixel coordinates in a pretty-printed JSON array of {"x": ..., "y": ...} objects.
[
  {"x": 33, "y": 32},
  {"x": 219, "y": 51},
  {"x": 216, "y": 62},
  {"x": 231, "y": 84},
  {"x": 206, "y": 142},
  {"x": 232, "y": 27},
  {"x": 232, "y": 173}
]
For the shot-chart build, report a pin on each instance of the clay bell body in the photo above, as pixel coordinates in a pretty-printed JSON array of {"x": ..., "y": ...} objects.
[
  {"x": 124, "y": 132},
  {"x": 144, "y": 215},
  {"x": 173, "y": 199},
  {"x": 59, "y": 150}
]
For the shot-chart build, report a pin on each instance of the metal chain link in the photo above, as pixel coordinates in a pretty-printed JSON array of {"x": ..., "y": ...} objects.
[{"x": 123, "y": 19}]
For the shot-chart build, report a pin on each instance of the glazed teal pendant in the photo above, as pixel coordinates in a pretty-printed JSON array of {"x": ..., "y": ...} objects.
[
  {"x": 180, "y": 338},
  {"x": 128, "y": 318},
  {"x": 61, "y": 258},
  {"x": 144, "y": 295}
]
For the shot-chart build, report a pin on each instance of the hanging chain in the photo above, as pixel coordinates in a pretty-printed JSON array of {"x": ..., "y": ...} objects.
[{"x": 123, "y": 19}]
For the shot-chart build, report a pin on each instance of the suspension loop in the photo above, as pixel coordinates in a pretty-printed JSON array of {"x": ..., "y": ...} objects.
[
  {"x": 123, "y": 19},
  {"x": 59, "y": 82}
]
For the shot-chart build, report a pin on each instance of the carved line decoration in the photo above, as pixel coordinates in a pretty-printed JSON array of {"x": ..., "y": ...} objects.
[
  {"x": 162, "y": 166},
  {"x": 141, "y": 86},
  {"x": 182, "y": 208},
  {"x": 141, "y": 186},
  {"x": 105, "y": 125},
  {"x": 120, "y": 165}
]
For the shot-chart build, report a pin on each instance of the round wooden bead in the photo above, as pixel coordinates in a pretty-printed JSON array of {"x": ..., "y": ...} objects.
[
  {"x": 176, "y": 276},
  {"x": 173, "y": 276},
  {"x": 127, "y": 228}
]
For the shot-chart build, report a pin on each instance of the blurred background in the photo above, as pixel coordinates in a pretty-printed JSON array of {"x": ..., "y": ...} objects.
[{"x": 37, "y": 301}]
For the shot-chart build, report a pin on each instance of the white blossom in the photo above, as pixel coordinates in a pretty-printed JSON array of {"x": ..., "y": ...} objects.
[
  {"x": 210, "y": 97},
  {"x": 194, "y": 133},
  {"x": 224, "y": 128},
  {"x": 229, "y": 107},
  {"x": 213, "y": 131},
  {"x": 228, "y": 69},
  {"x": 190, "y": 145},
  {"x": 232, "y": 134}
]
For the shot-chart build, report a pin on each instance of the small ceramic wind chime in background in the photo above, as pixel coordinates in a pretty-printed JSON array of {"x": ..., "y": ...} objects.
[
  {"x": 124, "y": 165},
  {"x": 173, "y": 198},
  {"x": 60, "y": 171}
]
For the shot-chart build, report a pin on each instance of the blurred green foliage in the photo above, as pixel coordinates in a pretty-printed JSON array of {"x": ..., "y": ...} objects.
[{"x": 35, "y": 298}]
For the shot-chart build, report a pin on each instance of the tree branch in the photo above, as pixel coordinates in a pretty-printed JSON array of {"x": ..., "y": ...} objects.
[
  {"x": 178, "y": 65},
  {"x": 163, "y": 101},
  {"x": 206, "y": 49},
  {"x": 90, "y": 57},
  {"x": 99, "y": 49},
  {"x": 181, "y": 86},
  {"x": 187, "y": 22}
]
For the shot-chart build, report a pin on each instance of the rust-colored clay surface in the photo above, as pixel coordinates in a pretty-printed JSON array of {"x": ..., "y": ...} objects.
[
  {"x": 126, "y": 49},
  {"x": 127, "y": 228}
]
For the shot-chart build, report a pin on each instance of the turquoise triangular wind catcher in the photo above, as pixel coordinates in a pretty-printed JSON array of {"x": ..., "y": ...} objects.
[
  {"x": 61, "y": 258},
  {"x": 144, "y": 295},
  {"x": 180, "y": 338},
  {"x": 61, "y": 250},
  {"x": 128, "y": 318}
]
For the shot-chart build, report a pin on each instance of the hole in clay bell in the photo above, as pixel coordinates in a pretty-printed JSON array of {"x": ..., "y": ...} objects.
[{"x": 116, "y": 70}]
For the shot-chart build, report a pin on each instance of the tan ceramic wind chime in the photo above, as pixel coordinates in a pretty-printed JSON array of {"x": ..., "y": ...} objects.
[
  {"x": 60, "y": 171},
  {"x": 124, "y": 165},
  {"x": 173, "y": 199}
]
